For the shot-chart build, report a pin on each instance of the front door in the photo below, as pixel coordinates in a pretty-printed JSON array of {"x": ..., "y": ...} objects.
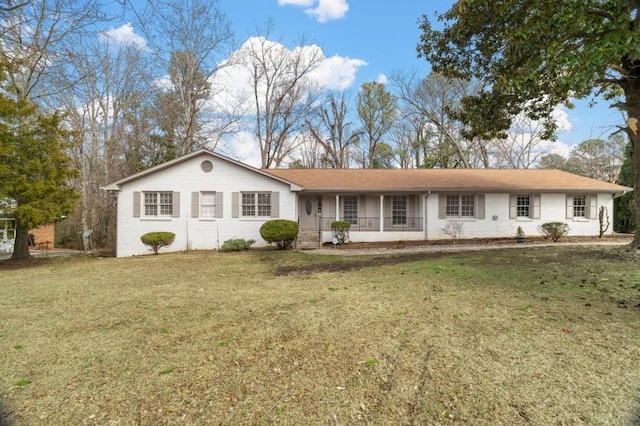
[{"x": 309, "y": 215}]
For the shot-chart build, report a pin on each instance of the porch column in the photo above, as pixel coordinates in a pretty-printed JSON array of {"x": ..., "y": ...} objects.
[
  {"x": 381, "y": 213},
  {"x": 337, "y": 207},
  {"x": 425, "y": 200}
]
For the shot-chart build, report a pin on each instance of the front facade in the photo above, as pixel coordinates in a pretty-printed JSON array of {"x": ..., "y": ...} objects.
[
  {"x": 205, "y": 199},
  {"x": 394, "y": 205}
]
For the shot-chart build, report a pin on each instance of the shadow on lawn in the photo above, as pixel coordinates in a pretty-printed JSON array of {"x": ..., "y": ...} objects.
[
  {"x": 634, "y": 419},
  {"x": 5, "y": 415}
]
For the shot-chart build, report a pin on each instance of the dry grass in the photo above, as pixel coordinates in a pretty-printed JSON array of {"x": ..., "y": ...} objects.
[{"x": 542, "y": 336}]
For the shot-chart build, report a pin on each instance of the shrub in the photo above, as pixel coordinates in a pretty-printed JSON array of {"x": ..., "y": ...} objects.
[
  {"x": 157, "y": 240},
  {"x": 554, "y": 230},
  {"x": 341, "y": 230},
  {"x": 282, "y": 232},
  {"x": 453, "y": 229},
  {"x": 237, "y": 244}
]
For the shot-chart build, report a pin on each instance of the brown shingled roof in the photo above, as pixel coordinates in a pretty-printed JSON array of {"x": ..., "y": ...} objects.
[{"x": 489, "y": 180}]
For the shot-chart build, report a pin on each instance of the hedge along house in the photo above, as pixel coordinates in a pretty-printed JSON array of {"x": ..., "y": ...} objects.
[{"x": 205, "y": 199}]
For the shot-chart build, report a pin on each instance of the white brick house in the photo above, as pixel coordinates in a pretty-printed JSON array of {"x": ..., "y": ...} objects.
[{"x": 206, "y": 198}]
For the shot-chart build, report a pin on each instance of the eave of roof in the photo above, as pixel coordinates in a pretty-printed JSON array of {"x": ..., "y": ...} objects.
[
  {"x": 407, "y": 180},
  {"x": 116, "y": 185}
]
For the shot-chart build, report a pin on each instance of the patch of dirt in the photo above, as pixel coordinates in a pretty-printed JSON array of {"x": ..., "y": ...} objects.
[
  {"x": 391, "y": 258},
  {"x": 356, "y": 264},
  {"x": 391, "y": 245},
  {"x": 9, "y": 264}
]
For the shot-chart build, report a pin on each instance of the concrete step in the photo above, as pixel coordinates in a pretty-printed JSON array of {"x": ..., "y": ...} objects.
[{"x": 308, "y": 240}]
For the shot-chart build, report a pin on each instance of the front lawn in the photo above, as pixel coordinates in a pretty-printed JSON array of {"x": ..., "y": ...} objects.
[{"x": 537, "y": 336}]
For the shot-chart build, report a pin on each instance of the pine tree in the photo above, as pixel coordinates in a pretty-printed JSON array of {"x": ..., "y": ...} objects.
[{"x": 35, "y": 171}]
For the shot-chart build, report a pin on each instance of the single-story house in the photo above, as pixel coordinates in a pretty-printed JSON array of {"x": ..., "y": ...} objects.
[{"x": 206, "y": 198}]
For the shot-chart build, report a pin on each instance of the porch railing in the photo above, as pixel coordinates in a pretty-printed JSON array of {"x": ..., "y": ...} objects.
[{"x": 363, "y": 224}]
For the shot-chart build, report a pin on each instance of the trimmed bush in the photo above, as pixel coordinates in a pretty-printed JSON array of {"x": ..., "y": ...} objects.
[
  {"x": 157, "y": 240},
  {"x": 282, "y": 232},
  {"x": 237, "y": 244},
  {"x": 554, "y": 230},
  {"x": 341, "y": 230}
]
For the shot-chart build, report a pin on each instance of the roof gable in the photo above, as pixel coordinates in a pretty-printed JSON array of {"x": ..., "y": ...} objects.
[{"x": 117, "y": 185}]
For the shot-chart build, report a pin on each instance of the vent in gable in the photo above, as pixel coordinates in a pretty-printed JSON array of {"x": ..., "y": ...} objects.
[{"x": 206, "y": 166}]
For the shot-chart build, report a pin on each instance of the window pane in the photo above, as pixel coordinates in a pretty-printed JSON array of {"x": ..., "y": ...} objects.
[
  {"x": 151, "y": 204},
  {"x": 350, "y": 209},
  {"x": 453, "y": 206},
  {"x": 399, "y": 211},
  {"x": 522, "y": 206},
  {"x": 580, "y": 206},
  {"x": 166, "y": 203},
  {"x": 208, "y": 204},
  {"x": 468, "y": 205},
  {"x": 249, "y": 204},
  {"x": 264, "y": 204}
]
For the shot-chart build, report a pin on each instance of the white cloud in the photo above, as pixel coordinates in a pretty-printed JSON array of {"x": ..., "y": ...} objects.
[
  {"x": 302, "y": 3},
  {"x": 324, "y": 10},
  {"x": 232, "y": 90},
  {"x": 124, "y": 35},
  {"x": 234, "y": 81},
  {"x": 382, "y": 79},
  {"x": 337, "y": 72},
  {"x": 244, "y": 147},
  {"x": 329, "y": 10}
]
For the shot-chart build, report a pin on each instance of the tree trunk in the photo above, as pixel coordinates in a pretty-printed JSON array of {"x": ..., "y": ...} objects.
[
  {"x": 21, "y": 245},
  {"x": 634, "y": 135}
]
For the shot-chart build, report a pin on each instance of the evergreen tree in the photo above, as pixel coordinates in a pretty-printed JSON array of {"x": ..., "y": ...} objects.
[{"x": 35, "y": 171}]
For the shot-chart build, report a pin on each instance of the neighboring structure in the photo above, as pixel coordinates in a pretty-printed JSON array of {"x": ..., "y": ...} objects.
[
  {"x": 206, "y": 198},
  {"x": 42, "y": 237}
]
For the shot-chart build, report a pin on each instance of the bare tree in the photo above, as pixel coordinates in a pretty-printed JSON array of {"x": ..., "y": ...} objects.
[
  {"x": 377, "y": 111},
  {"x": 333, "y": 132},
  {"x": 283, "y": 94},
  {"x": 191, "y": 39},
  {"x": 429, "y": 106},
  {"x": 38, "y": 39},
  {"x": 100, "y": 110},
  {"x": 598, "y": 159},
  {"x": 521, "y": 148}
]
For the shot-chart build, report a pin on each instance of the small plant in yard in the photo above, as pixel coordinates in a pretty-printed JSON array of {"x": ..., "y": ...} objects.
[
  {"x": 157, "y": 240},
  {"x": 520, "y": 235},
  {"x": 341, "y": 230},
  {"x": 603, "y": 221},
  {"x": 554, "y": 230},
  {"x": 282, "y": 232},
  {"x": 453, "y": 229},
  {"x": 237, "y": 244}
]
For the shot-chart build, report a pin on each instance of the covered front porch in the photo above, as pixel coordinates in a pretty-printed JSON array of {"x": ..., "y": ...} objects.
[{"x": 373, "y": 217}]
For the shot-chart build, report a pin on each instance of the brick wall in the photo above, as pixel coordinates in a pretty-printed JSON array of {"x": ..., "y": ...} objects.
[{"x": 43, "y": 234}]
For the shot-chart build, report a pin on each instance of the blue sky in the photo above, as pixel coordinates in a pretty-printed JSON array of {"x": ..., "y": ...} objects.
[
  {"x": 370, "y": 39},
  {"x": 384, "y": 35}
]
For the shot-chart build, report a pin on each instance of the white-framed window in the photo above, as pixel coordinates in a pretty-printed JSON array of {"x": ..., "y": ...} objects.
[
  {"x": 399, "y": 210},
  {"x": 579, "y": 206},
  {"x": 157, "y": 204},
  {"x": 256, "y": 204},
  {"x": 463, "y": 206},
  {"x": 582, "y": 206},
  {"x": 207, "y": 204},
  {"x": 523, "y": 206},
  {"x": 350, "y": 209}
]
